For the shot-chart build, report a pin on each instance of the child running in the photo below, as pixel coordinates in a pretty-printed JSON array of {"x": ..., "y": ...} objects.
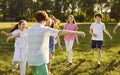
[
  {"x": 50, "y": 23},
  {"x": 20, "y": 47},
  {"x": 37, "y": 39},
  {"x": 56, "y": 38},
  {"x": 96, "y": 30},
  {"x": 69, "y": 39}
]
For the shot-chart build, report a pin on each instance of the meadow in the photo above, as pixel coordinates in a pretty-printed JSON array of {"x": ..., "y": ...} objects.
[{"x": 84, "y": 61}]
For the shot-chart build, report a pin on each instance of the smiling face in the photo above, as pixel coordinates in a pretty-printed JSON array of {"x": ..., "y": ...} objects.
[
  {"x": 70, "y": 19},
  {"x": 23, "y": 25}
]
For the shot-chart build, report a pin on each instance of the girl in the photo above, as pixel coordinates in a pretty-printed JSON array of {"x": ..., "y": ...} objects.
[
  {"x": 69, "y": 39},
  {"x": 20, "y": 51},
  {"x": 51, "y": 43},
  {"x": 56, "y": 38}
]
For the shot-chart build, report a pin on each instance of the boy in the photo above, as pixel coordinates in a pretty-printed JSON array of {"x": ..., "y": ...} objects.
[{"x": 96, "y": 30}]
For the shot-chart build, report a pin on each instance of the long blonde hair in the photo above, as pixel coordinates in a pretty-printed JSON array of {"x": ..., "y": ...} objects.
[{"x": 74, "y": 21}]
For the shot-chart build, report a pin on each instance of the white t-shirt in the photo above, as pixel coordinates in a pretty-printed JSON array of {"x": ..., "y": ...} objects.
[
  {"x": 98, "y": 30},
  {"x": 19, "y": 42}
]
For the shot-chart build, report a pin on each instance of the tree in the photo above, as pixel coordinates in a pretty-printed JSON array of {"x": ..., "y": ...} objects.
[{"x": 115, "y": 10}]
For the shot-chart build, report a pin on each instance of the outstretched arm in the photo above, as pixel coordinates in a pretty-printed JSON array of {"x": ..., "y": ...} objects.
[
  {"x": 6, "y": 34},
  {"x": 106, "y": 31},
  {"x": 13, "y": 36},
  {"x": 68, "y": 32}
]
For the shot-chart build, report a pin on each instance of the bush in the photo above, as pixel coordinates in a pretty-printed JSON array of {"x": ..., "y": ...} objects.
[{"x": 80, "y": 18}]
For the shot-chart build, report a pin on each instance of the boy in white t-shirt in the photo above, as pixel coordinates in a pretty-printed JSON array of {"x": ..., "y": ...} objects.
[
  {"x": 96, "y": 30},
  {"x": 116, "y": 27}
]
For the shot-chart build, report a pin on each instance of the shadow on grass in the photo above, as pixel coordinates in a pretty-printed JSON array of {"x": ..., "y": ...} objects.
[
  {"x": 75, "y": 67},
  {"x": 112, "y": 65}
]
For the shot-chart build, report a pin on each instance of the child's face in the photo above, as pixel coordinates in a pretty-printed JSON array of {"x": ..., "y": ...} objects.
[
  {"x": 98, "y": 19},
  {"x": 23, "y": 25},
  {"x": 49, "y": 23},
  {"x": 70, "y": 19}
]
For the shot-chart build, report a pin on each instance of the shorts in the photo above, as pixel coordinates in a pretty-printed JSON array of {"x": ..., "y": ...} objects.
[
  {"x": 39, "y": 70},
  {"x": 51, "y": 48},
  {"x": 96, "y": 44}
]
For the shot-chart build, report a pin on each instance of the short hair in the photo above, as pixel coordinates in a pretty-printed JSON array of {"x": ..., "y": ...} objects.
[
  {"x": 41, "y": 16},
  {"x": 99, "y": 15}
]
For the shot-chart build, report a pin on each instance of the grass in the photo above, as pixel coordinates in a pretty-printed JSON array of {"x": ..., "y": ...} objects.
[{"x": 84, "y": 62}]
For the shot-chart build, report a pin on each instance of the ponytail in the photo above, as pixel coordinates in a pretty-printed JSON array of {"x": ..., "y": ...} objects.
[{"x": 16, "y": 27}]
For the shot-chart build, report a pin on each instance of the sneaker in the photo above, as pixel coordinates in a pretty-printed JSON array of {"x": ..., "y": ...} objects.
[
  {"x": 98, "y": 65},
  {"x": 70, "y": 63}
]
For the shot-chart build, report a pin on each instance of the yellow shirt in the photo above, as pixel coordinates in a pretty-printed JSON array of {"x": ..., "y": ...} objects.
[{"x": 56, "y": 26}]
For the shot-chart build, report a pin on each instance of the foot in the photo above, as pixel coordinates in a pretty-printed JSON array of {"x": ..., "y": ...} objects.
[{"x": 98, "y": 65}]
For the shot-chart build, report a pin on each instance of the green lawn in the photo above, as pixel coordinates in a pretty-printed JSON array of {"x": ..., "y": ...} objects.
[{"x": 84, "y": 62}]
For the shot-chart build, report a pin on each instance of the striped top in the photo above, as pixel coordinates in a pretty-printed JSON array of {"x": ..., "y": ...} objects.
[{"x": 37, "y": 38}]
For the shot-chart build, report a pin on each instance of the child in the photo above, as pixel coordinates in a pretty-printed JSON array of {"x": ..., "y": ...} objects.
[
  {"x": 69, "y": 39},
  {"x": 116, "y": 27},
  {"x": 37, "y": 39},
  {"x": 20, "y": 45},
  {"x": 51, "y": 43},
  {"x": 56, "y": 38},
  {"x": 96, "y": 30}
]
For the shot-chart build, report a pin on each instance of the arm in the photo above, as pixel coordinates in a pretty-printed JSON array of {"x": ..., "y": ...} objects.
[
  {"x": 13, "y": 36},
  {"x": 91, "y": 33},
  {"x": 106, "y": 31},
  {"x": 115, "y": 28},
  {"x": 68, "y": 32},
  {"x": 6, "y": 34},
  {"x": 59, "y": 45}
]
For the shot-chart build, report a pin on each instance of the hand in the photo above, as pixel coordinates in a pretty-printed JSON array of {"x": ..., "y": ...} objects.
[
  {"x": 114, "y": 32},
  {"x": 2, "y": 32},
  {"x": 83, "y": 34},
  {"x": 94, "y": 35},
  {"x": 110, "y": 37}
]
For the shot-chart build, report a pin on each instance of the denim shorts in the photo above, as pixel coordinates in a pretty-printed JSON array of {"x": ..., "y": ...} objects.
[{"x": 51, "y": 47}]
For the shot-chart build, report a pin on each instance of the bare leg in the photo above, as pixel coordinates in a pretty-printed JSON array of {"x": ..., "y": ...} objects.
[{"x": 99, "y": 55}]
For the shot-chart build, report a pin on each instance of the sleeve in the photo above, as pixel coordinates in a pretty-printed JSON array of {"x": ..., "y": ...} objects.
[
  {"x": 91, "y": 26},
  {"x": 52, "y": 32},
  {"x": 104, "y": 26},
  {"x": 15, "y": 32},
  {"x": 76, "y": 27},
  {"x": 23, "y": 34},
  {"x": 65, "y": 26}
]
